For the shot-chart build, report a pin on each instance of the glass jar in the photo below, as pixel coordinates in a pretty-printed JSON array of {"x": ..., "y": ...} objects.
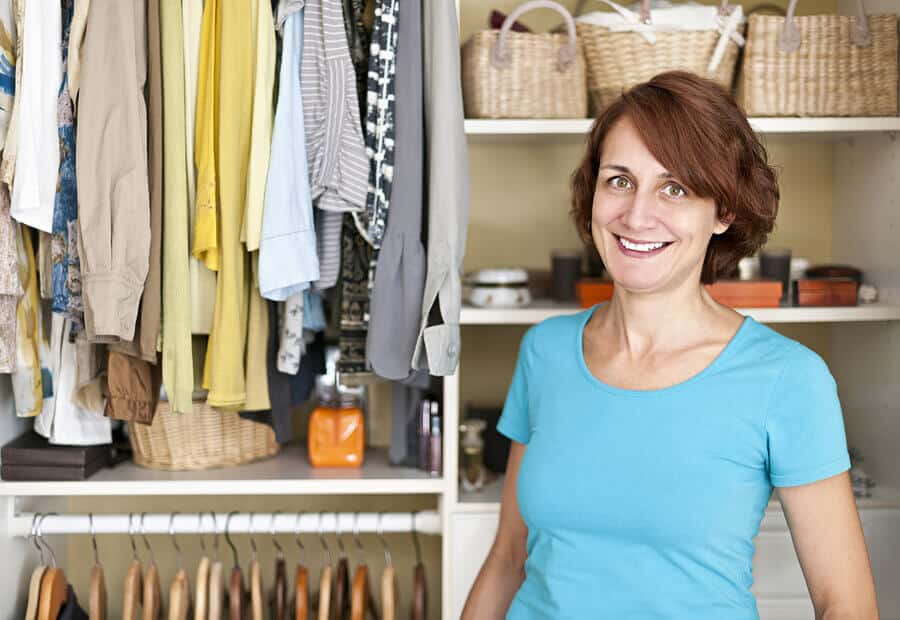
[{"x": 337, "y": 431}]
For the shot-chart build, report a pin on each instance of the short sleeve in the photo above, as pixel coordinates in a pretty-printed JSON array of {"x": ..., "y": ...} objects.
[
  {"x": 514, "y": 420},
  {"x": 804, "y": 423}
]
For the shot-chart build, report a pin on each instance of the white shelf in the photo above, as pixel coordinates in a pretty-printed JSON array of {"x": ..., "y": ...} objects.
[
  {"x": 488, "y": 499},
  {"x": 288, "y": 473},
  {"x": 544, "y": 309},
  {"x": 830, "y": 127}
]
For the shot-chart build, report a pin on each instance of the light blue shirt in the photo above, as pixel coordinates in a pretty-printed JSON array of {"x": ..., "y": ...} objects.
[
  {"x": 644, "y": 504},
  {"x": 287, "y": 250}
]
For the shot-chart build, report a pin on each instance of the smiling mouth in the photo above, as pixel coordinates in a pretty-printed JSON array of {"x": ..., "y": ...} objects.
[{"x": 631, "y": 247}]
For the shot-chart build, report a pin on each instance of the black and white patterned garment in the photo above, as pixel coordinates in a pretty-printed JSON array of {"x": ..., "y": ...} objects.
[{"x": 379, "y": 128}]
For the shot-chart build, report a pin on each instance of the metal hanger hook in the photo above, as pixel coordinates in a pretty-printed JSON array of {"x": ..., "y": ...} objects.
[
  {"x": 174, "y": 541},
  {"x": 215, "y": 536},
  {"x": 34, "y": 537},
  {"x": 275, "y": 540},
  {"x": 415, "y": 538},
  {"x": 337, "y": 534},
  {"x": 379, "y": 529},
  {"x": 131, "y": 530},
  {"x": 146, "y": 542},
  {"x": 359, "y": 545},
  {"x": 250, "y": 534},
  {"x": 93, "y": 539},
  {"x": 326, "y": 555},
  {"x": 228, "y": 537},
  {"x": 297, "y": 535},
  {"x": 40, "y": 534}
]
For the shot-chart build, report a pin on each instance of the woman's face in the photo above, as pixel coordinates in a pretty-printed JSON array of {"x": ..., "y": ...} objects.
[{"x": 650, "y": 230}]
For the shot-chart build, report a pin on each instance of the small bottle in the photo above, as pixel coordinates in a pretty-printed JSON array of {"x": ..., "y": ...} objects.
[
  {"x": 435, "y": 447},
  {"x": 424, "y": 432}
]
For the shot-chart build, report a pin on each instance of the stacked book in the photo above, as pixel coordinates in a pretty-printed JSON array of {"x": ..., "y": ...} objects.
[{"x": 31, "y": 457}]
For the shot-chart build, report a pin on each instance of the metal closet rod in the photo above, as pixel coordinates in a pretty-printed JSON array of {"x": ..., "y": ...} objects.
[{"x": 424, "y": 522}]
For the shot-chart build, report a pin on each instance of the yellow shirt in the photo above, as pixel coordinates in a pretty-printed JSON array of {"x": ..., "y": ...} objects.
[
  {"x": 26, "y": 380},
  {"x": 224, "y": 371},
  {"x": 206, "y": 240}
]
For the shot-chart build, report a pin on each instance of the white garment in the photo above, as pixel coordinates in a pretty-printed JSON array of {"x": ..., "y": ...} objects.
[
  {"x": 37, "y": 141},
  {"x": 203, "y": 279},
  {"x": 7, "y": 65},
  {"x": 292, "y": 344},
  {"x": 62, "y": 421}
]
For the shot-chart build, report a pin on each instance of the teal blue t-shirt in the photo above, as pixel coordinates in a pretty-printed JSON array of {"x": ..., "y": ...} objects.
[{"x": 643, "y": 504}]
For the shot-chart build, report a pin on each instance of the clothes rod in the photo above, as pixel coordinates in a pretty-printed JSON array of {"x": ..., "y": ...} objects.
[{"x": 425, "y": 522}]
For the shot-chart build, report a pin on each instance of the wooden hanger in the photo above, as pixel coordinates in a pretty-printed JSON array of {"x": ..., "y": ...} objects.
[
  {"x": 278, "y": 599},
  {"x": 236, "y": 582},
  {"x": 97, "y": 599},
  {"x": 325, "y": 594},
  {"x": 151, "y": 599},
  {"x": 34, "y": 593},
  {"x": 420, "y": 585},
  {"x": 54, "y": 591},
  {"x": 341, "y": 590},
  {"x": 131, "y": 596},
  {"x": 201, "y": 596},
  {"x": 216, "y": 591},
  {"x": 257, "y": 606},
  {"x": 179, "y": 596},
  {"x": 361, "y": 599},
  {"x": 151, "y": 607},
  {"x": 389, "y": 596},
  {"x": 301, "y": 581}
]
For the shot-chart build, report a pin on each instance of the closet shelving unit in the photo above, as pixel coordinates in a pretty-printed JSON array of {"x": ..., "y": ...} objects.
[{"x": 864, "y": 342}]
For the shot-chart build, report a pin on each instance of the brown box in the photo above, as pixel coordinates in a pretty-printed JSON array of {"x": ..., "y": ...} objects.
[
  {"x": 746, "y": 293},
  {"x": 826, "y": 292}
]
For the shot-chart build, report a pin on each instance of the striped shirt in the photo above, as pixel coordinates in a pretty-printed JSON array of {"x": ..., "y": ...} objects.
[{"x": 338, "y": 165}]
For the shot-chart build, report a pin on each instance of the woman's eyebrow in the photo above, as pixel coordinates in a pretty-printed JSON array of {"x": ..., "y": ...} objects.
[{"x": 625, "y": 169}]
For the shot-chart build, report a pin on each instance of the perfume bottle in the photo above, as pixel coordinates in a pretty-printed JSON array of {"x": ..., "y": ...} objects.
[
  {"x": 472, "y": 472},
  {"x": 435, "y": 454},
  {"x": 424, "y": 432}
]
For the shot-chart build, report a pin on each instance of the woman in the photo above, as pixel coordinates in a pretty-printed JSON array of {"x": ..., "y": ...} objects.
[{"x": 648, "y": 431}]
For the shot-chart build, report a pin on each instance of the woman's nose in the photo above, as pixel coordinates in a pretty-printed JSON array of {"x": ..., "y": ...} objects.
[{"x": 639, "y": 213}]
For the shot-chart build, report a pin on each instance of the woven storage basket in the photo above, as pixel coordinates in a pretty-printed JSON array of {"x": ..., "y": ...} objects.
[
  {"x": 617, "y": 61},
  {"x": 203, "y": 439},
  {"x": 509, "y": 74},
  {"x": 820, "y": 65}
]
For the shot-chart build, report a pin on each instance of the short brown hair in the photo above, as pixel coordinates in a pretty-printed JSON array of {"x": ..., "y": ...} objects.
[{"x": 694, "y": 128}]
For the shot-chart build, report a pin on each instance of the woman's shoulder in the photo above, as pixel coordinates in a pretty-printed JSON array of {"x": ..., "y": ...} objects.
[
  {"x": 554, "y": 333},
  {"x": 764, "y": 345}
]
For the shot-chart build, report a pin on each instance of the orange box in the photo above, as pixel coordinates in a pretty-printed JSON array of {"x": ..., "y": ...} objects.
[
  {"x": 827, "y": 292},
  {"x": 592, "y": 291},
  {"x": 746, "y": 293}
]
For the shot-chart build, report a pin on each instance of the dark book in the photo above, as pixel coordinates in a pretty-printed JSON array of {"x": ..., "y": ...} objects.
[
  {"x": 51, "y": 472},
  {"x": 32, "y": 449}
]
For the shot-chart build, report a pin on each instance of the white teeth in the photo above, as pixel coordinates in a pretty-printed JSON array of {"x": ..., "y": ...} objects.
[{"x": 640, "y": 247}]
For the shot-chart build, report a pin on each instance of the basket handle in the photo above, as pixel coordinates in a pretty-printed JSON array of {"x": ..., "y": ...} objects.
[
  {"x": 645, "y": 9},
  {"x": 789, "y": 40},
  {"x": 500, "y": 55}
]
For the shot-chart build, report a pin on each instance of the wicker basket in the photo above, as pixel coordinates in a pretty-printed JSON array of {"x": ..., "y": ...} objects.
[
  {"x": 203, "y": 439},
  {"x": 617, "y": 60},
  {"x": 821, "y": 65},
  {"x": 509, "y": 74}
]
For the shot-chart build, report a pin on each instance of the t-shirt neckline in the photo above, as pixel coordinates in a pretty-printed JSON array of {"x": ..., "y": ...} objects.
[{"x": 582, "y": 364}]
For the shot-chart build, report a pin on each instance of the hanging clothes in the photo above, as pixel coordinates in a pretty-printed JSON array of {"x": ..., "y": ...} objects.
[
  {"x": 328, "y": 247},
  {"x": 7, "y": 65},
  {"x": 8, "y": 161},
  {"x": 380, "y": 121},
  {"x": 31, "y": 348},
  {"x": 113, "y": 192},
  {"x": 66, "y": 268},
  {"x": 437, "y": 345},
  {"x": 224, "y": 370},
  {"x": 287, "y": 253},
  {"x": 64, "y": 420},
  {"x": 399, "y": 279},
  {"x": 354, "y": 284},
  {"x": 205, "y": 241},
  {"x": 292, "y": 345},
  {"x": 10, "y": 285},
  {"x": 37, "y": 144},
  {"x": 177, "y": 356},
  {"x": 338, "y": 166},
  {"x": 203, "y": 280}
]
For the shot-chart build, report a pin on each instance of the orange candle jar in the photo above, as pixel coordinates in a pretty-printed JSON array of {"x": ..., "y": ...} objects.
[{"x": 337, "y": 435}]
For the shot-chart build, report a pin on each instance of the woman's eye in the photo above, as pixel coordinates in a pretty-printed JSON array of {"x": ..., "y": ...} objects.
[
  {"x": 619, "y": 182},
  {"x": 673, "y": 190}
]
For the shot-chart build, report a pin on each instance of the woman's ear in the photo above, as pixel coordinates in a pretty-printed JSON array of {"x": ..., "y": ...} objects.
[{"x": 723, "y": 223}]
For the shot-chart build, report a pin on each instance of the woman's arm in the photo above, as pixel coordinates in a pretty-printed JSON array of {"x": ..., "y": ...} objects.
[
  {"x": 829, "y": 541},
  {"x": 504, "y": 568}
]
